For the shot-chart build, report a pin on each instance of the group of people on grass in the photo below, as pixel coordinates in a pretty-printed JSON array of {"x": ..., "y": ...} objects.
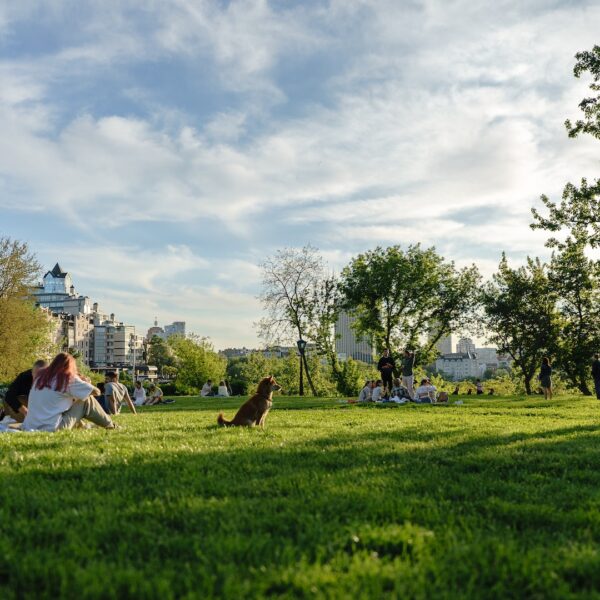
[
  {"x": 390, "y": 389},
  {"x": 54, "y": 396},
  {"x": 223, "y": 390},
  {"x": 399, "y": 391}
]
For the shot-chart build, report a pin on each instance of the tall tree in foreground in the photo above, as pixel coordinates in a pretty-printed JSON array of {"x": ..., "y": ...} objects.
[
  {"x": 289, "y": 280},
  {"x": 579, "y": 210},
  {"x": 520, "y": 314},
  {"x": 24, "y": 330},
  {"x": 575, "y": 279},
  {"x": 408, "y": 298}
]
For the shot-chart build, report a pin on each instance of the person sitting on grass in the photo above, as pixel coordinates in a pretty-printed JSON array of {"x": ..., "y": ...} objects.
[
  {"x": 155, "y": 396},
  {"x": 377, "y": 393},
  {"x": 206, "y": 390},
  {"x": 491, "y": 391},
  {"x": 60, "y": 399},
  {"x": 456, "y": 391},
  {"x": 399, "y": 391},
  {"x": 17, "y": 395},
  {"x": 223, "y": 391},
  {"x": 432, "y": 390},
  {"x": 365, "y": 393},
  {"x": 479, "y": 387},
  {"x": 425, "y": 393},
  {"x": 115, "y": 392},
  {"x": 139, "y": 394}
]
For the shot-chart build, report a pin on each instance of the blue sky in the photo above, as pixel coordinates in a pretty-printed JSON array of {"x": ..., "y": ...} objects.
[{"x": 161, "y": 149}]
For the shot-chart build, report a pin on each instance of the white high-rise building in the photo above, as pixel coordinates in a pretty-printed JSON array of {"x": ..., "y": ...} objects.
[
  {"x": 175, "y": 328},
  {"x": 458, "y": 366},
  {"x": 465, "y": 346},
  {"x": 347, "y": 344},
  {"x": 444, "y": 345}
]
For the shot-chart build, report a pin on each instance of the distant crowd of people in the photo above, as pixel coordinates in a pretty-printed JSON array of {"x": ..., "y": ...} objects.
[
  {"x": 50, "y": 397},
  {"x": 390, "y": 389},
  {"x": 223, "y": 389}
]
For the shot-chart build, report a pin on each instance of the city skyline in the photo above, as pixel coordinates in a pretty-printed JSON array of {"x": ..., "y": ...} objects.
[{"x": 160, "y": 153}]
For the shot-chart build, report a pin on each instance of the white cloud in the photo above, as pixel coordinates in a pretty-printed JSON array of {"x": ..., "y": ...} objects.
[{"x": 421, "y": 112}]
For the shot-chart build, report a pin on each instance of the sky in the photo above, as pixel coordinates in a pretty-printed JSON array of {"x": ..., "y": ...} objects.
[{"x": 161, "y": 149}]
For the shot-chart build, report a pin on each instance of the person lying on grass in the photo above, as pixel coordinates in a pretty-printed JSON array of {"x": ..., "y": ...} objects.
[
  {"x": 115, "y": 392},
  {"x": 60, "y": 398}
]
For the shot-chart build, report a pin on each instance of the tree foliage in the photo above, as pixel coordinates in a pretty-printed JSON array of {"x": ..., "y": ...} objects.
[
  {"x": 520, "y": 315},
  {"x": 575, "y": 279},
  {"x": 399, "y": 297},
  {"x": 24, "y": 329},
  {"x": 289, "y": 281},
  {"x": 196, "y": 362},
  {"x": 588, "y": 61},
  {"x": 579, "y": 210}
]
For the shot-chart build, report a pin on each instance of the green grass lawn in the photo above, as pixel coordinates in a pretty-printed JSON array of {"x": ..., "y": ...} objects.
[{"x": 493, "y": 499}]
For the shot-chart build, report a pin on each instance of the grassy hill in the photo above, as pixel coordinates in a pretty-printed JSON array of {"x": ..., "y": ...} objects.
[{"x": 492, "y": 499}]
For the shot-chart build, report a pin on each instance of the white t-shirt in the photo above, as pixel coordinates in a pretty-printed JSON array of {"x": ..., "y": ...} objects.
[
  {"x": 426, "y": 391},
  {"x": 365, "y": 394},
  {"x": 139, "y": 396},
  {"x": 206, "y": 390},
  {"x": 223, "y": 391},
  {"x": 47, "y": 406},
  {"x": 376, "y": 395}
]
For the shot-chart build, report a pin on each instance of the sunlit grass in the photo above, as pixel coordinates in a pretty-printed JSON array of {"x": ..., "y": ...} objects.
[{"x": 492, "y": 499}]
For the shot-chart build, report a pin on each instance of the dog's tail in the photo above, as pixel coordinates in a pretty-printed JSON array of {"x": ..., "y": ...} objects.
[{"x": 222, "y": 422}]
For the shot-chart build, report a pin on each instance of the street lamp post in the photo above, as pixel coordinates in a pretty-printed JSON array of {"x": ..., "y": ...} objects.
[{"x": 301, "y": 348}]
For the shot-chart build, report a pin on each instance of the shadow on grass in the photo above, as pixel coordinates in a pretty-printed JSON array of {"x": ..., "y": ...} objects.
[{"x": 413, "y": 512}]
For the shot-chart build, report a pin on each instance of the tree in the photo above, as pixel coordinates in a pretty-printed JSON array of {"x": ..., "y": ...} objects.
[
  {"x": 24, "y": 329},
  {"x": 576, "y": 280},
  {"x": 520, "y": 314},
  {"x": 289, "y": 279},
  {"x": 18, "y": 269},
  {"x": 588, "y": 61},
  {"x": 399, "y": 296},
  {"x": 196, "y": 362},
  {"x": 160, "y": 354},
  {"x": 579, "y": 210}
]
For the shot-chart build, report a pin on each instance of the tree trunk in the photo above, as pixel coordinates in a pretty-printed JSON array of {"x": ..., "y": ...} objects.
[
  {"x": 582, "y": 384},
  {"x": 308, "y": 377},
  {"x": 527, "y": 381}
]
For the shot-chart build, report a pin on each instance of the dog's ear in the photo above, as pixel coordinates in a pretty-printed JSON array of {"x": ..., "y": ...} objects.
[{"x": 271, "y": 379}]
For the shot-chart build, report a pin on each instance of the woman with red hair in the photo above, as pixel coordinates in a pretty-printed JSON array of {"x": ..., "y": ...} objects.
[{"x": 60, "y": 398}]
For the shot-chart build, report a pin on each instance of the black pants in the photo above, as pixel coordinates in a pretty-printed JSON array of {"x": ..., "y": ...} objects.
[
  {"x": 387, "y": 380},
  {"x": 597, "y": 386}
]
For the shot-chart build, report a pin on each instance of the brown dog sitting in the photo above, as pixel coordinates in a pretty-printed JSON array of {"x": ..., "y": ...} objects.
[{"x": 254, "y": 411}]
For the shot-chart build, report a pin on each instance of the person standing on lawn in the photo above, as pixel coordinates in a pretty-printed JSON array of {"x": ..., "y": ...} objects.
[
  {"x": 386, "y": 366},
  {"x": 545, "y": 378},
  {"x": 408, "y": 378},
  {"x": 60, "y": 398},
  {"x": 596, "y": 374},
  {"x": 17, "y": 395}
]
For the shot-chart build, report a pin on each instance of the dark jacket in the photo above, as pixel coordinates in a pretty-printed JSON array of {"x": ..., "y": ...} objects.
[
  {"x": 596, "y": 369},
  {"x": 545, "y": 373},
  {"x": 21, "y": 386},
  {"x": 386, "y": 360},
  {"x": 408, "y": 363}
]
